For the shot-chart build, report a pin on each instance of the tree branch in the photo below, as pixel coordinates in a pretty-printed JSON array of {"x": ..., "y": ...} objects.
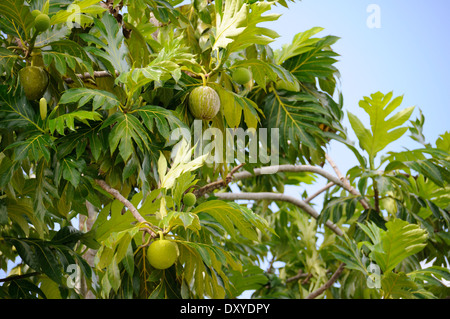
[
  {"x": 376, "y": 196},
  {"x": 320, "y": 191},
  {"x": 271, "y": 170},
  {"x": 280, "y": 197},
  {"x": 217, "y": 184},
  {"x": 127, "y": 203},
  {"x": 290, "y": 168},
  {"x": 16, "y": 277},
  {"x": 347, "y": 185},
  {"x": 299, "y": 275},
  {"x": 328, "y": 284},
  {"x": 86, "y": 223}
]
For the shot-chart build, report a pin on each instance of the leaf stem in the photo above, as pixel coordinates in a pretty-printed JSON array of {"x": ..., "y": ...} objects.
[
  {"x": 203, "y": 79},
  {"x": 376, "y": 195},
  {"x": 31, "y": 46}
]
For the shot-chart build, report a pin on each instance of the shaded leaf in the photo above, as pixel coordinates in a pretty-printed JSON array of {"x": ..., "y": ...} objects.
[
  {"x": 100, "y": 99},
  {"x": 17, "y": 19},
  {"x": 67, "y": 54}
]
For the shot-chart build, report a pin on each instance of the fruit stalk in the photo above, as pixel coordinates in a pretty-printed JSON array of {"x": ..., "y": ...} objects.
[{"x": 31, "y": 46}]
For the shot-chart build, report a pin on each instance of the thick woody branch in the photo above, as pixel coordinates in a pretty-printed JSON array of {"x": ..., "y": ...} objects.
[
  {"x": 289, "y": 168},
  {"x": 280, "y": 197},
  {"x": 270, "y": 170},
  {"x": 328, "y": 284},
  {"x": 127, "y": 203}
]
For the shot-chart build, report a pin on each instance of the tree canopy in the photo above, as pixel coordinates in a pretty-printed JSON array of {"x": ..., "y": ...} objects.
[{"x": 99, "y": 147}]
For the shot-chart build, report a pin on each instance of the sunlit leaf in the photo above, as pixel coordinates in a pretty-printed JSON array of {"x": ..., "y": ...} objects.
[{"x": 383, "y": 131}]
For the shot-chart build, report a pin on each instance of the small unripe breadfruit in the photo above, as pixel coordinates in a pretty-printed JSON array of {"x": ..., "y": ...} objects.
[
  {"x": 35, "y": 13},
  {"x": 242, "y": 76},
  {"x": 43, "y": 108},
  {"x": 189, "y": 199},
  {"x": 204, "y": 103},
  {"x": 42, "y": 22},
  {"x": 162, "y": 254}
]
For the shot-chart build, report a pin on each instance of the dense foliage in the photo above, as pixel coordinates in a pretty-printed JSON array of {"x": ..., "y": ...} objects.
[{"x": 91, "y": 175}]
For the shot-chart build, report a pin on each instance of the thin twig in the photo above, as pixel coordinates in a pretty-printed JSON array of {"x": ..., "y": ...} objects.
[
  {"x": 306, "y": 280},
  {"x": 217, "y": 184},
  {"x": 320, "y": 191},
  {"x": 234, "y": 170},
  {"x": 269, "y": 270},
  {"x": 344, "y": 181},
  {"x": 328, "y": 284},
  {"x": 335, "y": 168},
  {"x": 127, "y": 203},
  {"x": 299, "y": 275},
  {"x": 280, "y": 197}
]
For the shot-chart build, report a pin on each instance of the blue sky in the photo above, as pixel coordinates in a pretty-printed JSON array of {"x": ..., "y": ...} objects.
[{"x": 407, "y": 55}]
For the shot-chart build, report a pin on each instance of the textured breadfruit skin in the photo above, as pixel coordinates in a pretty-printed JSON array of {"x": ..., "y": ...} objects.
[
  {"x": 242, "y": 76},
  {"x": 34, "y": 81},
  {"x": 204, "y": 103},
  {"x": 42, "y": 22},
  {"x": 162, "y": 254},
  {"x": 189, "y": 199},
  {"x": 35, "y": 13}
]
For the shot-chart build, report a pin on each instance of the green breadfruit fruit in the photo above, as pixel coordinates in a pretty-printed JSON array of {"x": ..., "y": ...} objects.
[
  {"x": 42, "y": 22},
  {"x": 242, "y": 76},
  {"x": 34, "y": 81},
  {"x": 189, "y": 199},
  {"x": 204, "y": 103},
  {"x": 35, "y": 13},
  {"x": 162, "y": 254}
]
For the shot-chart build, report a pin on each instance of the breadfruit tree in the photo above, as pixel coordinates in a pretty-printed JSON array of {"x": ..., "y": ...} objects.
[{"x": 131, "y": 129}]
